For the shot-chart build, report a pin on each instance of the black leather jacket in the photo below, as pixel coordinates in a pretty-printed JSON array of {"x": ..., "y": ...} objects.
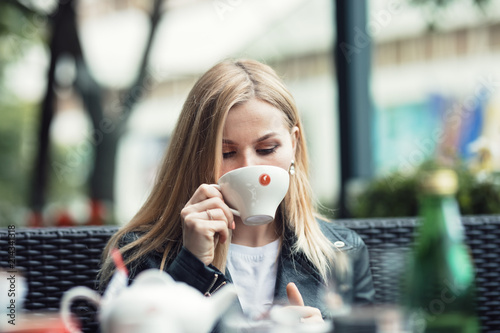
[{"x": 355, "y": 285}]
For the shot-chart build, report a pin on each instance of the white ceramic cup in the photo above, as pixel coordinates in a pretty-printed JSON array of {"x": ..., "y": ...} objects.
[{"x": 254, "y": 192}]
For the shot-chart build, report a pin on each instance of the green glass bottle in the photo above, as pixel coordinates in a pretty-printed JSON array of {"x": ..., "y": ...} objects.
[{"x": 439, "y": 290}]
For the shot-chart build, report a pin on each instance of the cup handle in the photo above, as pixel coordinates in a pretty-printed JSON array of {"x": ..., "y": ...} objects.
[
  {"x": 234, "y": 211},
  {"x": 67, "y": 300}
]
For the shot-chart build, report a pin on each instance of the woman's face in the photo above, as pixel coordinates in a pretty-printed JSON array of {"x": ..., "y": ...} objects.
[{"x": 255, "y": 133}]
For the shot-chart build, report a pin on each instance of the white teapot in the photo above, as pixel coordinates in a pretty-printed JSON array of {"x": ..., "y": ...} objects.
[{"x": 153, "y": 303}]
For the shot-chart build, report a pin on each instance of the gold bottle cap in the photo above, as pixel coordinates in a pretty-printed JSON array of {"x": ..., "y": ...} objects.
[{"x": 441, "y": 181}]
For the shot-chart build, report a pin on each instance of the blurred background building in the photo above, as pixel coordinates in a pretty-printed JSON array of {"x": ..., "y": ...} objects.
[{"x": 434, "y": 85}]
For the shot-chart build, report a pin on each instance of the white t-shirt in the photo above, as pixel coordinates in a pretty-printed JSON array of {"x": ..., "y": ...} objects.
[{"x": 253, "y": 271}]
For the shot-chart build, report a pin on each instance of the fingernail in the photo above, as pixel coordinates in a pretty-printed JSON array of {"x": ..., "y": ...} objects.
[{"x": 234, "y": 225}]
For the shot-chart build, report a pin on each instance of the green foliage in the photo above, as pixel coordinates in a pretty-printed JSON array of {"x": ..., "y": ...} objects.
[
  {"x": 10, "y": 153},
  {"x": 396, "y": 195},
  {"x": 19, "y": 31},
  {"x": 16, "y": 156},
  {"x": 478, "y": 197},
  {"x": 393, "y": 195},
  {"x": 20, "y": 28}
]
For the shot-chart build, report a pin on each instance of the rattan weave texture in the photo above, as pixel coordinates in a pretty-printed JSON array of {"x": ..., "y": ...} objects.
[
  {"x": 390, "y": 240},
  {"x": 54, "y": 260}
]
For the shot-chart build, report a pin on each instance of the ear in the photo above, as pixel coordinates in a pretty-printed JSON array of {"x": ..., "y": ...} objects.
[{"x": 295, "y": 135}]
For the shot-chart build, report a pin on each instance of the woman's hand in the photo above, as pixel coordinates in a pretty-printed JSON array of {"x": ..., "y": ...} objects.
[
  {"x": 307, "y": 314},
  {"x": 206, "y": 220}
]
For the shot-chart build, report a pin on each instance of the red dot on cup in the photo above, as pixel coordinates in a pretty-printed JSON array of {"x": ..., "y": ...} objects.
[{"x": 264, "y": 179}]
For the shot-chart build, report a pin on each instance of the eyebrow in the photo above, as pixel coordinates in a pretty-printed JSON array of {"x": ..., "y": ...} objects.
[{"x": 262, "y": 138}]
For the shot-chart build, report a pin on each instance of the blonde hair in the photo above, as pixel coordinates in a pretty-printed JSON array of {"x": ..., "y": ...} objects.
[{"x": 194, "y": 156}]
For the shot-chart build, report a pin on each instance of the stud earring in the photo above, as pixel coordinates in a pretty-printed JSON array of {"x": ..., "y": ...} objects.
[{"x": 292, "y": 168}]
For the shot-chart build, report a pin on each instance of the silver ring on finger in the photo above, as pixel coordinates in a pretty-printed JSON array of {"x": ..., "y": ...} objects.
[{"x": 210, "y": 217}]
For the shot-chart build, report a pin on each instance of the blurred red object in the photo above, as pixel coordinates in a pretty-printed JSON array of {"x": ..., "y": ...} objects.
[
  {"x": 97, "y": 213},
  {"x": 64, "y": 220},
  {"x": 35, "y": 220},
  {"x": 37, "y": 324}
]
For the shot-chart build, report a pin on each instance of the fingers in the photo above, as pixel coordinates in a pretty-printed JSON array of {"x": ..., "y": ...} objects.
[
  {"x": 213, "y": 209},
  {"x": 206, "y": 220},
  {"x": 206, "y": 229},
  {"x": 206, "y": 198},
  {"x": 201, "y": 235},
  {"x": 308, "y": 314},
  {"x": 203, "y": 192},
  {"x": 297, "y": 310},
  {"x": 294, "y": 296},
  {"x": 296, "y": 314}
]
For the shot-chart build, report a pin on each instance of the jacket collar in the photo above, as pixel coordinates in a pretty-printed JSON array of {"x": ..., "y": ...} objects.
[{"x": 294, "y": 267}]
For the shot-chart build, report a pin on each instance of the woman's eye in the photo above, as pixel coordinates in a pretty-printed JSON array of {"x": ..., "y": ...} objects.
[
  {"x": 267, "y": 151},
  {"x": 228, "y": 154}
]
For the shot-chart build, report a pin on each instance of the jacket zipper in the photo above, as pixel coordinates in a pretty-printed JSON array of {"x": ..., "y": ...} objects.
[
  {"x": 218, "y": 287},
  {"x": 207, "y": 293}
]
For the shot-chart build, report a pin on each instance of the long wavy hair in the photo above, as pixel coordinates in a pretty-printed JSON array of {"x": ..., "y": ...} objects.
[{"x": 194, "y": 157}]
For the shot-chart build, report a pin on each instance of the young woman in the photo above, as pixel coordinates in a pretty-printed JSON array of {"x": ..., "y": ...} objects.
[{"x": 239, "y": 113}]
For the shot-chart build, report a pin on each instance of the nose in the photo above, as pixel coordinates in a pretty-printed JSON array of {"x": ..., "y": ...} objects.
[{"x": 248, "y": 159}]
